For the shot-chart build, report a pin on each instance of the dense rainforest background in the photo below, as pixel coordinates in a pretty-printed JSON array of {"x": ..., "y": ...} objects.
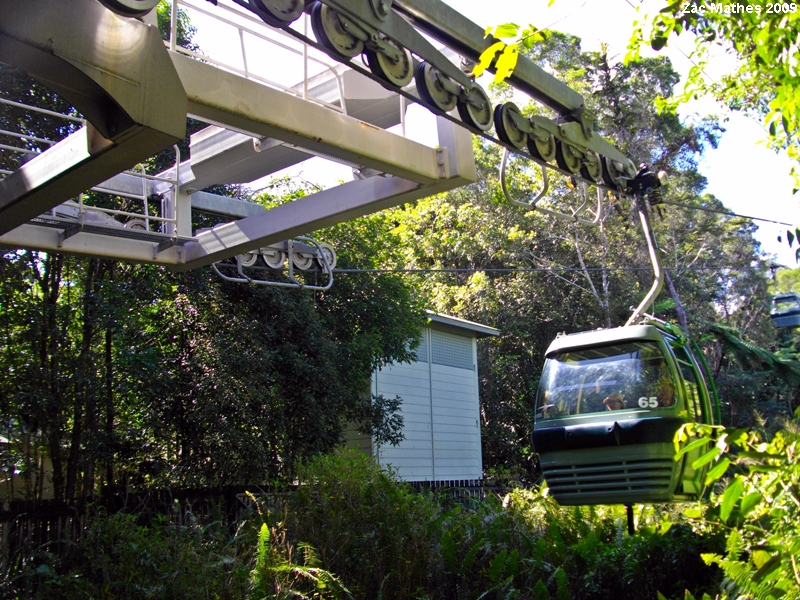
[{"x": 121, "y": 376}]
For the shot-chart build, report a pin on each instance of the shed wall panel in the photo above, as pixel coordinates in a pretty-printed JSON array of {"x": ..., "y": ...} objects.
[{"x": 440, "y": 411}]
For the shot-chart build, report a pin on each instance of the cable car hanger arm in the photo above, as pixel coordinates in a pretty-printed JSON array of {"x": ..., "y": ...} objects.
[{"x": 581, "y": 187}]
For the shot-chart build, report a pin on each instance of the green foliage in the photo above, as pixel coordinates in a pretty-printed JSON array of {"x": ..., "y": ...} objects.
[
  {"x": 128, "y": 373},
  {"x": 787, "y": 280},
  {"x": 502, "y": 56},
  {"x": 277, "y": 577},
  {"x": 352, "y": 526},
  {"x": 369, "y": 529},
  {"x": 384, "y": 541},
  {"x": 763, "y": 37},
  {"x": 748, "y": 353},
  {"x": 119, "y": 558},
  {"x": 758, "y": 508}
]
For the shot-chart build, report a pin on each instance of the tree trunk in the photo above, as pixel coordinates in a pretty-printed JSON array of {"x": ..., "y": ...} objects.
[
  {"x": 83, "y": 397},
  {"x": 109, "y": 425},
  {"x": 682, "y": 320},
  {"x": 49, "y": 343}
]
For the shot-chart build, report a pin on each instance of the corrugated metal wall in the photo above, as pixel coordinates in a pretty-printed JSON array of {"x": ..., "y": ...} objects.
[{"x": 440, "y": 410}]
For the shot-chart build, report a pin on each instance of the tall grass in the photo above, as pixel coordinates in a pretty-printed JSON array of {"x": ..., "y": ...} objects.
[
  {"x": 386, "y": 541},
  {"x": 352, "y": 530}
]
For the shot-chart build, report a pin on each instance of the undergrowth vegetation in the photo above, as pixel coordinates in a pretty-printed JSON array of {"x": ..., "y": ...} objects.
[{"x": 351, "y": 530}]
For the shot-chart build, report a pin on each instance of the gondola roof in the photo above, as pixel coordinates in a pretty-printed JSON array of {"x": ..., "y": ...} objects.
[{"x": 603, "y": 337}]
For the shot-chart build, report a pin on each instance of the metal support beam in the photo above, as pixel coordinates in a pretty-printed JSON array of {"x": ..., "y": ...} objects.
[
  {"x": 134, "y": 92},
  {"x": 115, "y": 71},
  {"x": 247, "y": 106},
  {"x": 303, "y": 215},
  {"x": 84, "y": 243},
  {"x": 220, "y": 156},
  {"x": 224, "y": 206},
  {"x": 455, "y": 165},
  {"x": 65, "y": 170}
]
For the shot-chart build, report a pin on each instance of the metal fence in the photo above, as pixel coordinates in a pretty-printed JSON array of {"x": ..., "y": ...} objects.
[{"x": 54, "y": 525}]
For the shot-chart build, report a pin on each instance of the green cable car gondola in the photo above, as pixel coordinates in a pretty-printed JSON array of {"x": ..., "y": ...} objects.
[
  {"x": 610, "y": 401},
  {"x": 608, "y": 406},
  {"x": 785, "y": 310}
]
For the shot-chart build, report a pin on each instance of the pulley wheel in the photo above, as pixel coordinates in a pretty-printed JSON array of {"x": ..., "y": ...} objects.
[
  {"x": 480, "y": 116},
  {"x": 592, "y": 168},
  {"x": 273, "y": 257},
  {"x": 543, "y": 150},
  {"x": 332, "y": 34},
  {"x": 398, "y": 73},
  {"x": 277, "y": 12},
  {"x": 430, "y": 89},
  {"x": 248, "y": 259},
  {"x": 506, "y": 127},
  {"x": 130, "y": 8},
  {"x": 302, "y": 260},
  {"x": 328, "y": 256},
  {"x": 136, "y": 224},
  {"x": 566, "y": 159},
  {"x": 613, "y": 176}
]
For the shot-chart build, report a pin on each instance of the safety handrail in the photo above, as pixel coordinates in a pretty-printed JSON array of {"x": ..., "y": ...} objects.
[
  {"x": 32, "y": 138},
  {"x": 533, "y": 204},
  {"x": 247, "y": 73},
  {"x": 144, "y": 197},
  {"x": 171, "y": 220}
]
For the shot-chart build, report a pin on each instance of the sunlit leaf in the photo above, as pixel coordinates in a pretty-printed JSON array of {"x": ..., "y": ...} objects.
[
  {"x": 710, "y": 559},
  {"x": 767, "y": 567},
  {"x": 506, "y": 63},
  {"x": 486, "y": 58},
  {"x": 706, "y": 458},
  {"x": 699, "y": 443},
  {"x": 507, "y": 30},
  {"x": 693, "y": 513},
  {"x": 718, "y": 470},
  {"x": 729, "y": 498},
  {"x": 758, "y": 455},
  {"x": 749, "y": 502},
  {"x": 764, "y": 469}
]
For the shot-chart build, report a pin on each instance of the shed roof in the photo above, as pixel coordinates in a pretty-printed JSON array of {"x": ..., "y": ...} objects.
[{"x": 448, "y": 322}]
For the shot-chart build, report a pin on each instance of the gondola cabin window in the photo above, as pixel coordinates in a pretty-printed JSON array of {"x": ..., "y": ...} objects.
[
  {"x": 620, "y": 377},
  {"x": 786, "y": 302}
]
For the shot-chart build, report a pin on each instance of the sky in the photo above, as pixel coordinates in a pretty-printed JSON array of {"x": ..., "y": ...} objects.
[{"x": 742, "y": 173}]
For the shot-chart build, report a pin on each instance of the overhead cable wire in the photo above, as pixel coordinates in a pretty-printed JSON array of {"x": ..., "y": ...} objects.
[
  {"x": 517, "y": 270},
  {"x": 724, "y": 212}
]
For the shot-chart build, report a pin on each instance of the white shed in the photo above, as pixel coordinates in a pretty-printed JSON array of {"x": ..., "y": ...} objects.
[{"x": 441, "y": 414}]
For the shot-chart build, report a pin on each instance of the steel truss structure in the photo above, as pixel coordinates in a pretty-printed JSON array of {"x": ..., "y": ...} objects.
[{"x": 133, "y": 94}]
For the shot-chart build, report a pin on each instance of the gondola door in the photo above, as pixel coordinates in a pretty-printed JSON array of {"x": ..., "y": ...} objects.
[{"x": 697, "y": 403}]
